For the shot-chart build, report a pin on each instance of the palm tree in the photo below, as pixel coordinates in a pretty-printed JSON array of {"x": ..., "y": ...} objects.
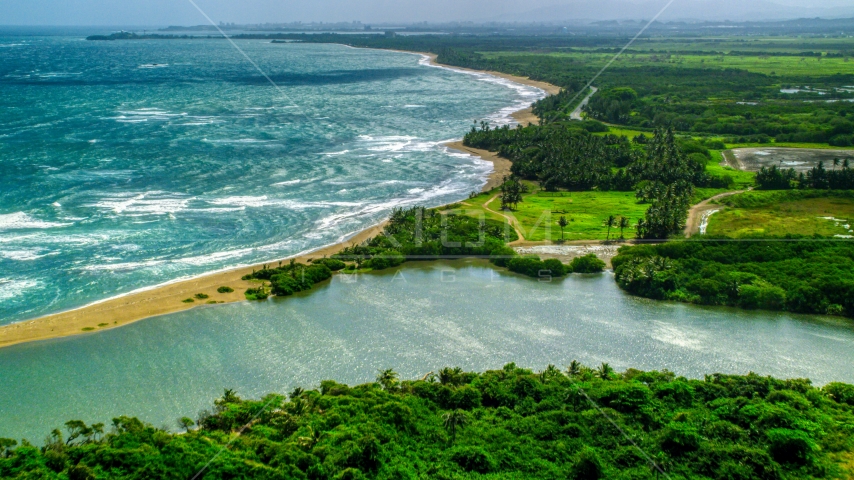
[
  {"x": 605, "y": 372},
  {"x": 297, "y": 393},
  {"x": 642, "y": 230},
  {"x": 310, "y": 439},
  {"x": 574, "y": 369},
  {"x": 562, "y": 223},
  {"x": 454, "y": 421},
  {"x": 835, "y": 163},
  {"x": 610, "y": 222},
  {"x": 388, "y": 379},
  {"x": 550, "y": 372},
  {"x": 845, "y": 164},
  {"x": 450, "y": 376},
  {"x": 624, "y": 224}
]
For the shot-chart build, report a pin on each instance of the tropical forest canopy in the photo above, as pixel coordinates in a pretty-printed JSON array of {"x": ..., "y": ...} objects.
[{"x": 581, "y": 423}]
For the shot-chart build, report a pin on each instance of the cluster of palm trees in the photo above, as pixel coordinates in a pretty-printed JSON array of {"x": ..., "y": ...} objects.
[
  {"x": 576, "y": 369},
  {"x": 668, "y": 213},
  {"x": 511, "y": 193},
  {"x": 617, "y": 222},
  {"x": 558, "y": 157}
]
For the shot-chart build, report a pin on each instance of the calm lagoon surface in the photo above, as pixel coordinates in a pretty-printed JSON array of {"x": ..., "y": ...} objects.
[{"x": 416, "y": 319}]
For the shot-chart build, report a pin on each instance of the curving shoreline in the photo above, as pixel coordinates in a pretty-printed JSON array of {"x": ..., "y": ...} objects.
[{"x": 168, "y": 298}]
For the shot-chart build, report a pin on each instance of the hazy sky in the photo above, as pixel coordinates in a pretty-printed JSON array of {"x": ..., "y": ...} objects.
[{"x": 181, "y": 12}]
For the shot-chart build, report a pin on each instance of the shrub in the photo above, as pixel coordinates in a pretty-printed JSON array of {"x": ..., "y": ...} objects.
[
  {"x": 284, "y": 285},
  {"x": 529, "y": 265},
  {"x": 258, "y": 293},
  {"x": 680, "y": 438},
  {"x": 224, "y": 289},
  {"x": 188, "y": 300},
  {"x": 587, "y": 264},
  {"x": 841, "y": 392},
  {"x": 332, "y": 264},
  {"x": 765, "y": 296},
  {"x": 790, "y": 446},
  {"x": 202, "y": 296},
  {"x": 555, "y": 266},
  {"x": 502, "y": 256},
  {"x": 587, "y": 466},
  {"x": 388, "y": 259},
  {"x": 466, "y": 398},
  {"x": 472, "y": 459}
]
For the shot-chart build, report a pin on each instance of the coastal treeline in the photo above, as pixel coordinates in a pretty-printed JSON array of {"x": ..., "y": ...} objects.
[
  {"x": 841, "y": 177},
  {"x": 577, "y": 423},
  {"x": 803, "y": 275}
]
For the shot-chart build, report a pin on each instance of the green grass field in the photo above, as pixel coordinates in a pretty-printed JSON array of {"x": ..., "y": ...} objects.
[
  {"x": 781, "y": 66},
  {"x": 586, "y": 212},
  {"x": 783, "y": 213}
]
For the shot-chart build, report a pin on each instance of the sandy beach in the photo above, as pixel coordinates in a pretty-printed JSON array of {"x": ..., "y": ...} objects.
[{"x": 169, "y": 298}]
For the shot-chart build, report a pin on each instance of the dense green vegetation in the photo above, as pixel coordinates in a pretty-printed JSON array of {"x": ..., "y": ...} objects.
[
  {"x": 510, "y": 423},
  {"x": 694, "y": 92},
  {"x": 805, "y": 276},
  {"x": 817, "y": 178}
]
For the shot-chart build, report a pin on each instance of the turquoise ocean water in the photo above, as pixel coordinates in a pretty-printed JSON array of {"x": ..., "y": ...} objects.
[{"x": 124, "y": 165}]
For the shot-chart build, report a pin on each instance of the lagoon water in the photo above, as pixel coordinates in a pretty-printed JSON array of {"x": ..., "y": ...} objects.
[
  {"x": 128, "y": 164},
  {"x": 416, "y": 320}
]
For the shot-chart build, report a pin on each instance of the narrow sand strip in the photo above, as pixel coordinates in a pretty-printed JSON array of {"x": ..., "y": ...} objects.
[{"x": 165, "y": 299}]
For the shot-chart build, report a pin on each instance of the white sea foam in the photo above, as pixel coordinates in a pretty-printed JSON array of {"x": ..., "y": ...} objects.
[
  {"x": 142, "y": 115},
  {"x": 335, "y": 154},
  {"x": 12, "y": 288},
  {"x": 153, "y": 65},
  {"x": 24, "y": 255},
  {"x": 148, "y": 203},
  {"x": 397, "y": 144},
  {"x": 264, "y": 201},
  {"x": 288, "y": 182},
  {"x": 238, "y": 141},
  {"x": 126, "y": 266},
  {"x": 448, "y": 187},
  {"x": 22, "y": 221}
]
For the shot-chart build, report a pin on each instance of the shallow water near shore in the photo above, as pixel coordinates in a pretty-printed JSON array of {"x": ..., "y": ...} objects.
[
  {"x": 129, "y": 164},
  {"x": 416, "y": 319}
]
